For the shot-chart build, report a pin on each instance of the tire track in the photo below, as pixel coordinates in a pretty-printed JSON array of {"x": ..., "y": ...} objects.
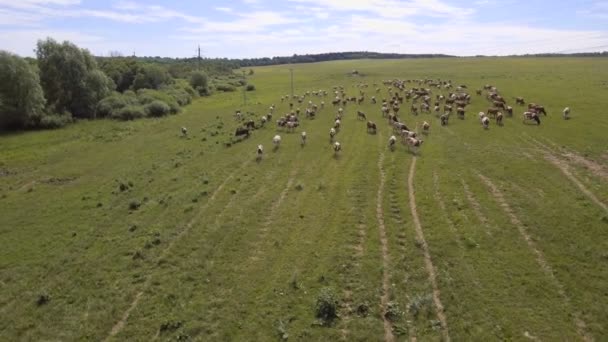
[
  {"x": 549, "y": 155},
  {"x": 275, "y": 206},
  {"x": 595, "y": 168},
  {"x": 427, "y": 256},
  {"x": 476, "y": 206},
  {"x": 118, "y": 326},
  {"x": 388, "y": 329},
  {"x": 395, "y": 213},
  {"x": 540, "y": 258}
]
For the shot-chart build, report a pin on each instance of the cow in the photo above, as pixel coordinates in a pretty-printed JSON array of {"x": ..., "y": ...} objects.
[
  {"x": 499, "y": 119},
  {"x": 337, "y": 148},
  {"x": 520, "y": 101},
  {"x": 361, "y": 115},
  {"x": 337, "y": 124},
  {"x": 276, "y": 141},
  {"x": 240, "y": 131},
  {"x": 426, "y": 127},
  {"x": 444, "y": 119},
  {"x": 413, "y": 144},
  {"x": 371, "y": 127},
  {"x": 250, "y": 124},
  {"x": 291, "y": 125},
  {"x": 460, "y": 112},
  {"x": 184, "y": 131},
  {"x": 260, "y": 152},
  {"x": 537, "y": 108},
  {"x": 303, "y": 135},
  {"x": 509, "y": 110},
  {"x": 566, "y": 112},
  {"x": 332, "y": 134},
  {"x": 531, "y": 116},
  {"x": 391, "y": 142},
  {"x": 492, "y": 112},
  {"x": 485, "y": 122}
]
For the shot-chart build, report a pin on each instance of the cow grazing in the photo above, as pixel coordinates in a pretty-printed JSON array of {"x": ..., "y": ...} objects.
[
  {"x": 426, "y": 127},
  {"x": 520, "y": 101},
  {"x": 242, "y": 131},
  {"x": 391, "y": 142},
  {"x": 531, "y": 116},
  {"x": 332, "y": 134},
  {"x": 371, "y": 127},
  {"x": 276, "y": 141},
  {"x": 566, "y": 112},
  {"x": 303, "y": 135},
  {"x": 492, "y": 112},
  {"x": 337, "y": 124},
  {"x": 485, "y": 122},
  {"x": 184, "y": 131},
  {"x": 509, "y": 110},
  {"x": 499, "y": 119},
  {"x": 460, "y": 112},
  {"x": 444, "y": 119},
  {"x": 337, "y": 147},
  {"x": 413, "y": 144},
  {"x": 361, "y": 115},
  {"x": 291, "y": 125}
]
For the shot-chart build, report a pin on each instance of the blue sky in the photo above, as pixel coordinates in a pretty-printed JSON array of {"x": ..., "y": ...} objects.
[{"x": 260, "y": 28}]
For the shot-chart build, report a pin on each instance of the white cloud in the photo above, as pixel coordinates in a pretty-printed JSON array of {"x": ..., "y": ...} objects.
[
  {"x": 247, "y": 22},
  {"x": 224, "y": 9},
  {"x": 23, "y": 42},
  {"x": 391, "y": 8}
]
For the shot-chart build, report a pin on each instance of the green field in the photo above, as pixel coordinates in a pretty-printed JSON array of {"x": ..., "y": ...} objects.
[{"x": 498, "y": 234}]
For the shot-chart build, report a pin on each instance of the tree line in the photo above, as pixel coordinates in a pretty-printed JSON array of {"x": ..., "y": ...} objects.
[{"x": 64, "y": 83}]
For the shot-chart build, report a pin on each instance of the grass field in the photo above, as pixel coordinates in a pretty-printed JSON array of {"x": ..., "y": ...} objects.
[{"x": 484, "y": 235}]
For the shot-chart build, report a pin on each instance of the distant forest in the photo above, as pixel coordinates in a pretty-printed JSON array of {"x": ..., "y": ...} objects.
[{"x": 222, "y": 65}]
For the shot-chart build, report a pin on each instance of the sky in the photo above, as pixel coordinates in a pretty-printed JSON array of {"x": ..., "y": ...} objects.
[{"x": 261, "y": 28}]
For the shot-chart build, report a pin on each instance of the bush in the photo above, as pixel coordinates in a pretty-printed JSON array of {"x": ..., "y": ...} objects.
[
  {"x": 157, "y": 108},
  {"x": 250, "y": 87},
  {"x": 225, "y": 88},
  {"x": 55, "y": 121},
  {"x": 200, "y": 81},
  {"x": 146, "y": 96},
  {"x": 129, "y": 113},
  {"x": 113, "y": 103},
  {"x": 326, "y": 307}
]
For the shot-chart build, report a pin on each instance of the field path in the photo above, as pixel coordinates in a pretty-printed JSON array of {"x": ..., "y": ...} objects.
[
  {"x": 273, "y": 209},
  {"x": 560, "y": 164},
  {"x": 427, "y": 256},
  {"x": 540, "y": 258},
  {"x": 388, "y": 330},
  {"x": 476, "y": 206},
  {"x": 125, "y": 316}
]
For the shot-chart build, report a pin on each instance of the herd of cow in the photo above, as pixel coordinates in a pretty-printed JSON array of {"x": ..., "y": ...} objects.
[{"x": 419, "y": 94}]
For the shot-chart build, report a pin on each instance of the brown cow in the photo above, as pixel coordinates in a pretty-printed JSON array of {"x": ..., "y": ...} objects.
[{"x": 371, "y": 127}]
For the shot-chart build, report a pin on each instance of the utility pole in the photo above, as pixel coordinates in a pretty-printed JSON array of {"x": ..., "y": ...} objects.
[
  {"x": 245, "y": 89},
  {"x": 199, "y": 58},
  {"x": 291, "y": 72}
]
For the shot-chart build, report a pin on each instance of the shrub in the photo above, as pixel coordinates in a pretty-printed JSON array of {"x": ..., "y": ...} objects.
[
  {"x": 129, "y": 113},
  {"x": 146, "y": 96},
  {"x": 199, "y": 81},
  {"x": 157, "y": 108},
  {"x": 55, "y": 121},
  {"x": 326, "y": 307},
  {"x": 250, "y": 87},
  {"x": 111, "y": 104},
  {"x": 225, "y": 88}
]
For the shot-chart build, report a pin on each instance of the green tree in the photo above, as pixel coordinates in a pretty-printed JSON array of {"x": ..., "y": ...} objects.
[
  {"x": 151, "y": 76},
  {"x": 21, "y": 97},
  {"x": 121, "y": 70},
  {"x": 70, "y": 78},
  {"x": 200, "y": 82}
]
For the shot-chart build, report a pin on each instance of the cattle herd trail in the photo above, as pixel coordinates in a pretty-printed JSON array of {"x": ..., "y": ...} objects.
[
  {"x": 388, "y": 333},
  {"x": 201, "y": 226},
  {"x": 430, "y": 268},
  {"x": 542, "y": 262}
]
